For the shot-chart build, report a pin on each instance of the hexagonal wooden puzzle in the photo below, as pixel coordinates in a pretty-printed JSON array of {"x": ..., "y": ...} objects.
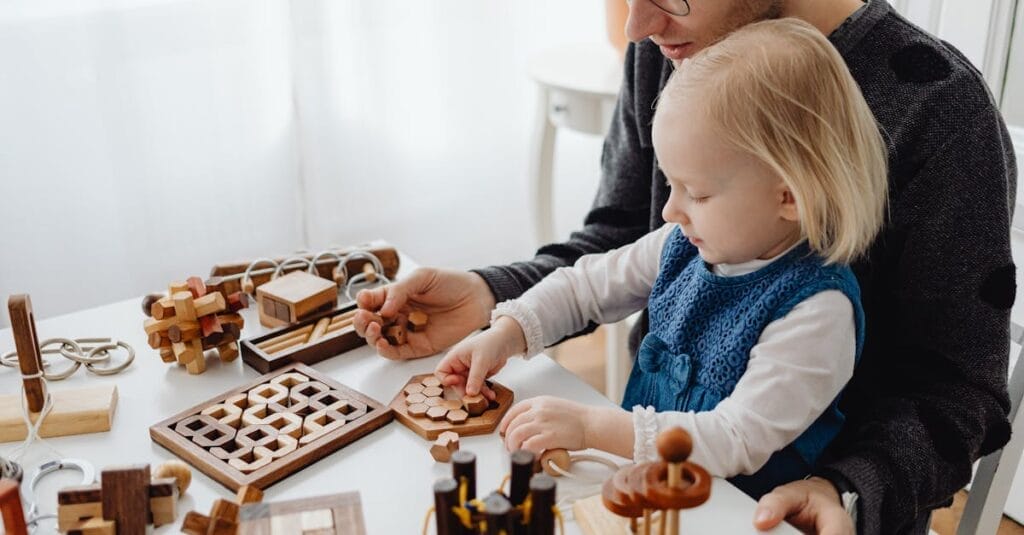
[
  {"x": 265, "y": 431},
  {"x": 429, "y": 410}
]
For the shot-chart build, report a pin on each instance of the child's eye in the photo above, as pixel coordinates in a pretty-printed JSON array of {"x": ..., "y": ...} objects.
[{"x": 698, "y": 199}]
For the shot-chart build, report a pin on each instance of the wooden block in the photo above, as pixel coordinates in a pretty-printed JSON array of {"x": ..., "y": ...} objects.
[
  {"x": 237, "y": 301},
  {"x": 69, "y": 515},
  {"x": 446, "y": 444},
  {"x": 294, "y": 297},
  {"x": 418, "y": 410},
  {"x": 75, "y": 412},
  {"x": 457, "y": 416},
  {"x": 198, "y": 364},
  {"x": 210, "y": 325},
  {"x": 395, "y": 335},
  {"x": 221, "y": 526},
  {"x": 196, "y": 287},
  {"x": 210, "y": 304},
  {"x": 437, "y": 413},
  {"x": 417, "y": 321},
  {"x": 475, "y": 405},
  {"x": 184, "y": 306},
  {"x": 94, "y": 526},
  {"x": 26, "y": 342},
  {"x": 195, "y": 523},
  {"x": 162, "y": 308},
  {"x": 249, "y": 494},
  {"x": 258, "y": 352},
  {"x": 185, "y": 331},
  {"x": 167, "y": 354},
  {"x": 126, "y": 498},
  {"x": 414, "y": 388},
  {"x": 319, "y": 329},
  {"x": 177, "y": 286},
  {"x": 163, "y": 509},
  {"x": 224, "y": 510},
  {"x": 11, "y": 508},
  {"x": 228, "y": 352},
  {"x": 433, "y": 391}
]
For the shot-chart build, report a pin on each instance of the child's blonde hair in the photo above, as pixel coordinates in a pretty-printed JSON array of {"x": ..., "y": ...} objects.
[{"x": 779, "y": 91}]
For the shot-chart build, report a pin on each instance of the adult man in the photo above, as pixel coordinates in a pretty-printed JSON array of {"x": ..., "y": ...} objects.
[{"x": 929, "y": 396}]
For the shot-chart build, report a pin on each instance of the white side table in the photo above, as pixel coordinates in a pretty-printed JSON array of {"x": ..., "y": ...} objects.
[{"x": 579, "y": 85}]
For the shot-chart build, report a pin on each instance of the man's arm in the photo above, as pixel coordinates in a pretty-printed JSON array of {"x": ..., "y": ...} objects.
[
  {"x": 621, "y": 211},
  {"x": 929, "y": 397}
]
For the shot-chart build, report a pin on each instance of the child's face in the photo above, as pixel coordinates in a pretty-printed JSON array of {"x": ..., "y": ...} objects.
[{"x": 729, "y": 204}]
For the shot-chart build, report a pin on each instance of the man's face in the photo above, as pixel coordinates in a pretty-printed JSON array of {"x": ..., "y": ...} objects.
[{"x": 708, "y": 21}]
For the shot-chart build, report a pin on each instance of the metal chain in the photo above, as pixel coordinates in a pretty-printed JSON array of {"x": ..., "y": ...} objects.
[{"x": 93, "y": 352}]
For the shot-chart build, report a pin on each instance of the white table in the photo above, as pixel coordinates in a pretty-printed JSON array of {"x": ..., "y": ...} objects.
[{"x": 390, "y": 467}]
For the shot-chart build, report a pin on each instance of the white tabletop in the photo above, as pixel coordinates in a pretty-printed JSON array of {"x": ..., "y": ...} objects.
[
  {"x": 588, "y": 68},
  {"x": 390, "y": 467}
]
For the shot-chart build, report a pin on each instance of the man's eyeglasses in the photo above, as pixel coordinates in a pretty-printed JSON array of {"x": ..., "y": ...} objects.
[{"x": 679, "y": 8}]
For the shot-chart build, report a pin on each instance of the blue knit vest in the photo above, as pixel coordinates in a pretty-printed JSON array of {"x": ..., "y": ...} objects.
[{"x": 702, "y": 328}]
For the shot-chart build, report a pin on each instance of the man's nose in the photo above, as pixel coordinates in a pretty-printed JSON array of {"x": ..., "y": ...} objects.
[{"x": 645, "y": 19}]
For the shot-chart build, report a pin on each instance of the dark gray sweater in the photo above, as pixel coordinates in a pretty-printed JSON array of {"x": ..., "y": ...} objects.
[{"x": 929, "y": 396}]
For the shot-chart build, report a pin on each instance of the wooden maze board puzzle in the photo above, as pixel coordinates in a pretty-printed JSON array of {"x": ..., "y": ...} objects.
[
  {"x": 429, "y": 410},
  {"x": 263, "y": 432}
]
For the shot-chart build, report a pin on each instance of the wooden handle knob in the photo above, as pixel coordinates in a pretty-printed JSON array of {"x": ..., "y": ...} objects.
[{"x": 674, "y": 445}]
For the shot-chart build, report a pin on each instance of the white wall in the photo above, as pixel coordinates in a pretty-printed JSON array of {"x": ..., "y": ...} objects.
[{"x": 142, "y": 141}]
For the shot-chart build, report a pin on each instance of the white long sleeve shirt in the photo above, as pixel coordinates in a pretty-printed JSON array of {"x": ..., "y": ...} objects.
[{"x": 796, "y": 369}]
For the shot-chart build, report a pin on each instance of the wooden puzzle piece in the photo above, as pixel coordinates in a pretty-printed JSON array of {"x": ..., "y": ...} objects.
[
  {"x": 294, "y": 297},
  {"x": 224, "y": 514},
  {"x": 446, "y": 444},
  {"x": 309, "y": 413},
  {"x": 125, "y": 498},
  {"x": 321, "y": 515}
]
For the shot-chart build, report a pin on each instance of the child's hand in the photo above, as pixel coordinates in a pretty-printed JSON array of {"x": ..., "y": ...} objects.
[
  {"x": 477, "y": 358},
  {"x": 544, "y": 423}
]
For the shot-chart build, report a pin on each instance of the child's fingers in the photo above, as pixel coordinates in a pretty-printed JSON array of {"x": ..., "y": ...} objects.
[
  {"x": 520, "y": 432},
  {"x": 512, "y": 413},
  {"x": 539, "y": 443},
  {"x": 488, "y": 392},
  {"x": 477, "y": 373}
]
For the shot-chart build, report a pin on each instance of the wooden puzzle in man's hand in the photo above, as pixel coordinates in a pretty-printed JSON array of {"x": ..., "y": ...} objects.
[
  {"x": 429, "y": 409},
  {"x": 264, "y": 432}
]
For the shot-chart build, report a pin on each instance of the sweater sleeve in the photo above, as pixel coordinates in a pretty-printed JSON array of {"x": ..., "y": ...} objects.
[
  {"x": 621, "y": 211},
  {"x": 797, "y": 368},
  {"x": 929, "y": 397},
  {"x": 601, "y": 288}
]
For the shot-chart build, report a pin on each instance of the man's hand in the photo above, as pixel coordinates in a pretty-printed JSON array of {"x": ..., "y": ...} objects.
[
  {"x": 456, "y": 302},
  {"x": 811, "y": 505}
]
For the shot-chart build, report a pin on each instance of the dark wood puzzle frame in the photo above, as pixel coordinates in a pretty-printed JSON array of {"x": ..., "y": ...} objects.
[
  {"x": 376, "y": 416},
  {"x": 329, "y": 345}
]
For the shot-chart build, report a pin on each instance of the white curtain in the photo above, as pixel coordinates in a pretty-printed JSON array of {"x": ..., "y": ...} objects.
[{"x": 143, "y": 141}]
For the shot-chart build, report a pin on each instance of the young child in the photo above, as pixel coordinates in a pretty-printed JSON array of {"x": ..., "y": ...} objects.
[{"x": 778, "y": 180}]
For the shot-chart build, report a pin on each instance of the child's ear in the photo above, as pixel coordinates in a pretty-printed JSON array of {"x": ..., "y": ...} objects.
[{"x": 787, "y": 206}]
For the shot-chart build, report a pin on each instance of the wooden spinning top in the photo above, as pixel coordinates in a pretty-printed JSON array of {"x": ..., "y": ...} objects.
[{"x": 667, "y": 485}]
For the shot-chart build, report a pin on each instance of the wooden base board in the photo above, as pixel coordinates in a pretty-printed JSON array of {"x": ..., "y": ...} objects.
[
  {"x": 74, "y": 412},
  {"x": 473, "y": 425}
]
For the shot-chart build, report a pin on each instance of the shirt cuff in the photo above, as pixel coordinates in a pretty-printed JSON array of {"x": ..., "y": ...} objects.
[
  {"x": 528, "y": 322},
  {"x": 645, "y": 432}
]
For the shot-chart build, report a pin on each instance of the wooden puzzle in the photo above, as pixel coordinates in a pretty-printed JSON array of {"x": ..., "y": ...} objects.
[
  {"x": 429, "y": 410},
  {"x": 193, "y": 318},
  {"x": 10, "y": 506},
  {"x": 647, "y": 497},
  {"x": 228, "y": 277},
  {"x": 294, "y": 297},
  {"x": 224, "y": 514},
  {"x": 310, "y": 341},
  {"x": 321, "y": 515},
  {"x": 265, "y": 431},
  {"x": 528, "y": 508},
  {"x": 72, "y": 412},
  {"x": 124, "y": 502}
]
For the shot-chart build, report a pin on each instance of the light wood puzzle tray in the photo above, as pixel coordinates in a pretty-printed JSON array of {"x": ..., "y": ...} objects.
[{"x": 265, "y": 431}]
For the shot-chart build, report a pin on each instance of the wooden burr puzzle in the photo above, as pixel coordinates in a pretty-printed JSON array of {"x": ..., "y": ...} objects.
[
  {"x": 429, "y": 410},
  {"x": 125, "y": 501},
  {"x": 193, "y": 318},
  {"x": 310, "y": 341},
  {"x": 263, "y": 432}
]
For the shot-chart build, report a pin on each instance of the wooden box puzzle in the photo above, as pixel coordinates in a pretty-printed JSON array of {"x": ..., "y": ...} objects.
[
  {"x": 265, "y": 431},
  {"x": 295, "y": 297},
  {"x": 310, "y": 341},
  {"x": 429, "y": 410}
]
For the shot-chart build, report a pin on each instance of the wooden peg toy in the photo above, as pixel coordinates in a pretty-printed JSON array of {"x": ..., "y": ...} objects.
[
  {"x": 637, "y": 491},
  {"x": 528, "y": 509},
  {"x": 124, "y": 502},
  {"x": 294, "y": 297},
  {"x": 191, "y": 319},
  {"x": 10, "y": 506},
  {"x": 72, "y": 412}
]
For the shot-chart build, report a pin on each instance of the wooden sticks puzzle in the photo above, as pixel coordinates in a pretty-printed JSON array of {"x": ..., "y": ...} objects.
[
  {"x": 263, "y": 432},
  {"x": 193, "y": 318},
  {"x": 310, "y": 341},
  {"x": 429, "y": 410}
]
